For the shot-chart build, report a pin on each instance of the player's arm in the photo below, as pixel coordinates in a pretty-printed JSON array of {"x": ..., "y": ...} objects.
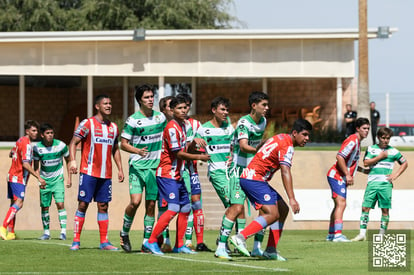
[
  {"x": 118, "y": 161},
  {"x": 400, "y": 170},
  {"x": 69, "y": 177},
  {"x": 127, "y": 147},
  {"x": 372, "y": 161},
  {"x": 188, "y": 156},
  {"x": 344, "y": 169},
  {"x": 288, "y": 185},
  {"x": 72, "y": 154},
  {"x": 363, "y": 170},
  {"x": 195, "y": 145},
  {"x": 28, "y": 167},
  {"x": 245, "y": 147}
]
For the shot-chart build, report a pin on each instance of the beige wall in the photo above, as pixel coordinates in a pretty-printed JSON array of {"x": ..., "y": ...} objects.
[{"x": 309, "y": 172}]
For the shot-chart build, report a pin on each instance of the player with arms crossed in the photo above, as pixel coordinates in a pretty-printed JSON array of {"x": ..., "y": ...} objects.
[
  {"x": 276, "y": 153},
  {"x": 341, "y": 175},
  {"x": 218, "y": 134},
  {"x": 171, "y": 186},
  {"x": 247, "y": 136},
  {"x": 380, "y": 158},
  {"x": 48, "y": 155},
  {"x": 18, "y": 176},
  {"x": 99, "y": 137},
  {"x": 142, "y": 137}
]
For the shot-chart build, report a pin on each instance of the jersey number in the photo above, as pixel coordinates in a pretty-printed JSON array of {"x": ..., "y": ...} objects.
[{"x": 267, "y": 149}]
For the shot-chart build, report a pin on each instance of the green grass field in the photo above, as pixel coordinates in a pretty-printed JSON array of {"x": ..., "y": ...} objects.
[{"x": 306, "y": 250}]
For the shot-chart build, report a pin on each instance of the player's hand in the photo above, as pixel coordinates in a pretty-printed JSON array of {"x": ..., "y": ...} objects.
[
  {"x": 42, "y": 183},
  {"x": 294, "y": 205},
  {"x": 383, "y": 154},
  {"x": 204, "y": 157},
  {"x": 391, "y": 178},
  {"x": 121, "y": 176},
  {"x": 349, "y": 180},
  {"x": 68, "y": 184},
  {"x": 72, "y": 167},
  {"x": 200, "y": 142},
  {"x": 143, "y": 151},
  {"x": 229, "y": 160}
]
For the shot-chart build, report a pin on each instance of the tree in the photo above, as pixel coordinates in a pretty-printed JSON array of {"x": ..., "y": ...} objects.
[{"x": 76, "y": 15}]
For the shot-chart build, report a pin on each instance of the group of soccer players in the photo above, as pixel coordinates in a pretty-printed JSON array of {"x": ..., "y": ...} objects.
[{"x": 164, "y": 148}]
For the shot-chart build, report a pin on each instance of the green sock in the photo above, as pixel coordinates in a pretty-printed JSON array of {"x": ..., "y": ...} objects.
[
  {"x": 226, "y": 227},
  {"x": 189, "y": 230},
  {"x": 148, "y": 225},
  {"x": 62, "y": 218},
  {"x": 240, "y": 225},
  {"x": 384, "y": 223},
  {"x": 126, "y": 226},
  {"x": 364, "y": 220},
  {"x": 259, "y": 236},
  {"x": 45, "y": 219}
]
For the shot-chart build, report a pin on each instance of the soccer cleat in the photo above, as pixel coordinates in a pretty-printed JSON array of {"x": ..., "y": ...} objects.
[
  {"x": 11, "y": 236},
  {"x": 144, "y": 249},
  {"x": 340, "y": 239},
  {"x": 359, "y": 237},
  {"x": 166, "y": 248},
  {"x": 3, "y": 233},
  {"x": 273, "y": 256},
  {"x": 240, "y": 243},
  {"x": 221, "y": 253},
  {"x": 75, "y": 246},
  {"x": 44, "y": 237},
  {"x": 108, "y": 246},
  {"x": 153, "y": 248},
  {"x": 184, "y": 249},
  {"x": 125, "y": 243},
  {"x": 62, "y": 236},
  {"x": 203, "y": 248},
  {"x": 257, "y": 252},
  {"x": 329, "y": 237}
]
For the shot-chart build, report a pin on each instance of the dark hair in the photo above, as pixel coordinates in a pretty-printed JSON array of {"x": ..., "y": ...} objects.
[
  {"x": 177, "y": 100},
  {"x": 139, "y": 91},
  {"x": 361, "y": 121},
  {"x": 384, "y": 131},
  {"x": 186, "y": 97},
  {"x": 256, "y": 97},
  {"x": 301, "y": 124},
  {"x": 31, "y": 123},
  {"x": 45, "y": 126},
  {"x": 220, "y": 100},
  {"x": 163, "y": 102},
  {"x": 98, "y": 98}
]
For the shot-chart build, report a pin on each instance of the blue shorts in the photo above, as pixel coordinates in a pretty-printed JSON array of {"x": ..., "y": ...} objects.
[
  {"x": 338, "y": 187},
  {"x": 172, "y": 191},
  {"x": 259, "y": 192},
  {"x": 15, "y": 190},
  {"x": 97, "y": 188}
]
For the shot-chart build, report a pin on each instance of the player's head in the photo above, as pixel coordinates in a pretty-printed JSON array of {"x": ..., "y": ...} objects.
[
  {"x": 220, "y": 108},
  {"x": 372, "y": 105},
  {"x": 144, "y": 95},
  {"x": 362, "y": 127},
  {"x": 47, "y": 132},
  {"x": 103, "y": 105},
  {"x": 300, "y": 133},
  {"x": 179, "y": 107},
  {"x": 187, "y": 98},
  {"x": 164, "y": 105},
  {"x": 258, "y": 103},
  {"x": 384, "y": 135},
  {"x": 31, "y": 129},
  {"x": 348, "y": 107}
]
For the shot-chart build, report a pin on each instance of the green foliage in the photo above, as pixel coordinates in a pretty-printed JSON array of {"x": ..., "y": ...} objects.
[
  {"x": 78, "y": 15},
  {"x": 272, "y": 129}
]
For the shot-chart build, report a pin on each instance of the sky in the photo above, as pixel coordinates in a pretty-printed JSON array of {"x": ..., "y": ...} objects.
[{"x": 390, "y": 60}]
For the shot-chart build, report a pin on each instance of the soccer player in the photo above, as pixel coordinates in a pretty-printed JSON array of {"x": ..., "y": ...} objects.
[
  {"x": 142, "y": 138},
  {"x": 99, "y": 137},
  {"x": 48, "y": 155},
  {"x": 172, "y": 190},
  {"x": 192, "y": 182},
  {"x": 380, "y": 158},
  {"x": 164, "y": 105},
  {"x": 18, "y": 176},
  {"x": 276, "y": 153},
  {"x": 218, "y": 135},
  {"x": 341, "y": 175},
  {"x": 247, "y": 136}
]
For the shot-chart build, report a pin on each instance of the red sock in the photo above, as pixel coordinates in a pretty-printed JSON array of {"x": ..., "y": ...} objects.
[
  {"x": 181, "y": 228},
  {"x": 9, "y": 216},
  {"x": 77, "y": 229},
  {"x": 199, "y": 225},
  {"x": 10, "y": 228},
  {"x": 274, "y": 237},
  {"x": 338, "y": 226},
  {"x": 162, "y": 223},
  {"x": 103, "y": 230},
  {"x": 251, "y": 229}
]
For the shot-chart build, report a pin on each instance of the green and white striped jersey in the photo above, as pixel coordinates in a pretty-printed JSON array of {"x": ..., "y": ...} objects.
[
  {"x": 51, "y": 159},
  {"x": 218, "y": 143},
  {"x": 142, "y": 131},
  {"x": 247, "y": 129},
  {"x": 384, "y": 167}
]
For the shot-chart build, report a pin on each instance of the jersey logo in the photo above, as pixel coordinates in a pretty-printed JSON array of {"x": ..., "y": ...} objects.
[
  {"x": 266, "y": 197},
  {"x": 171, "y": 196}
]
